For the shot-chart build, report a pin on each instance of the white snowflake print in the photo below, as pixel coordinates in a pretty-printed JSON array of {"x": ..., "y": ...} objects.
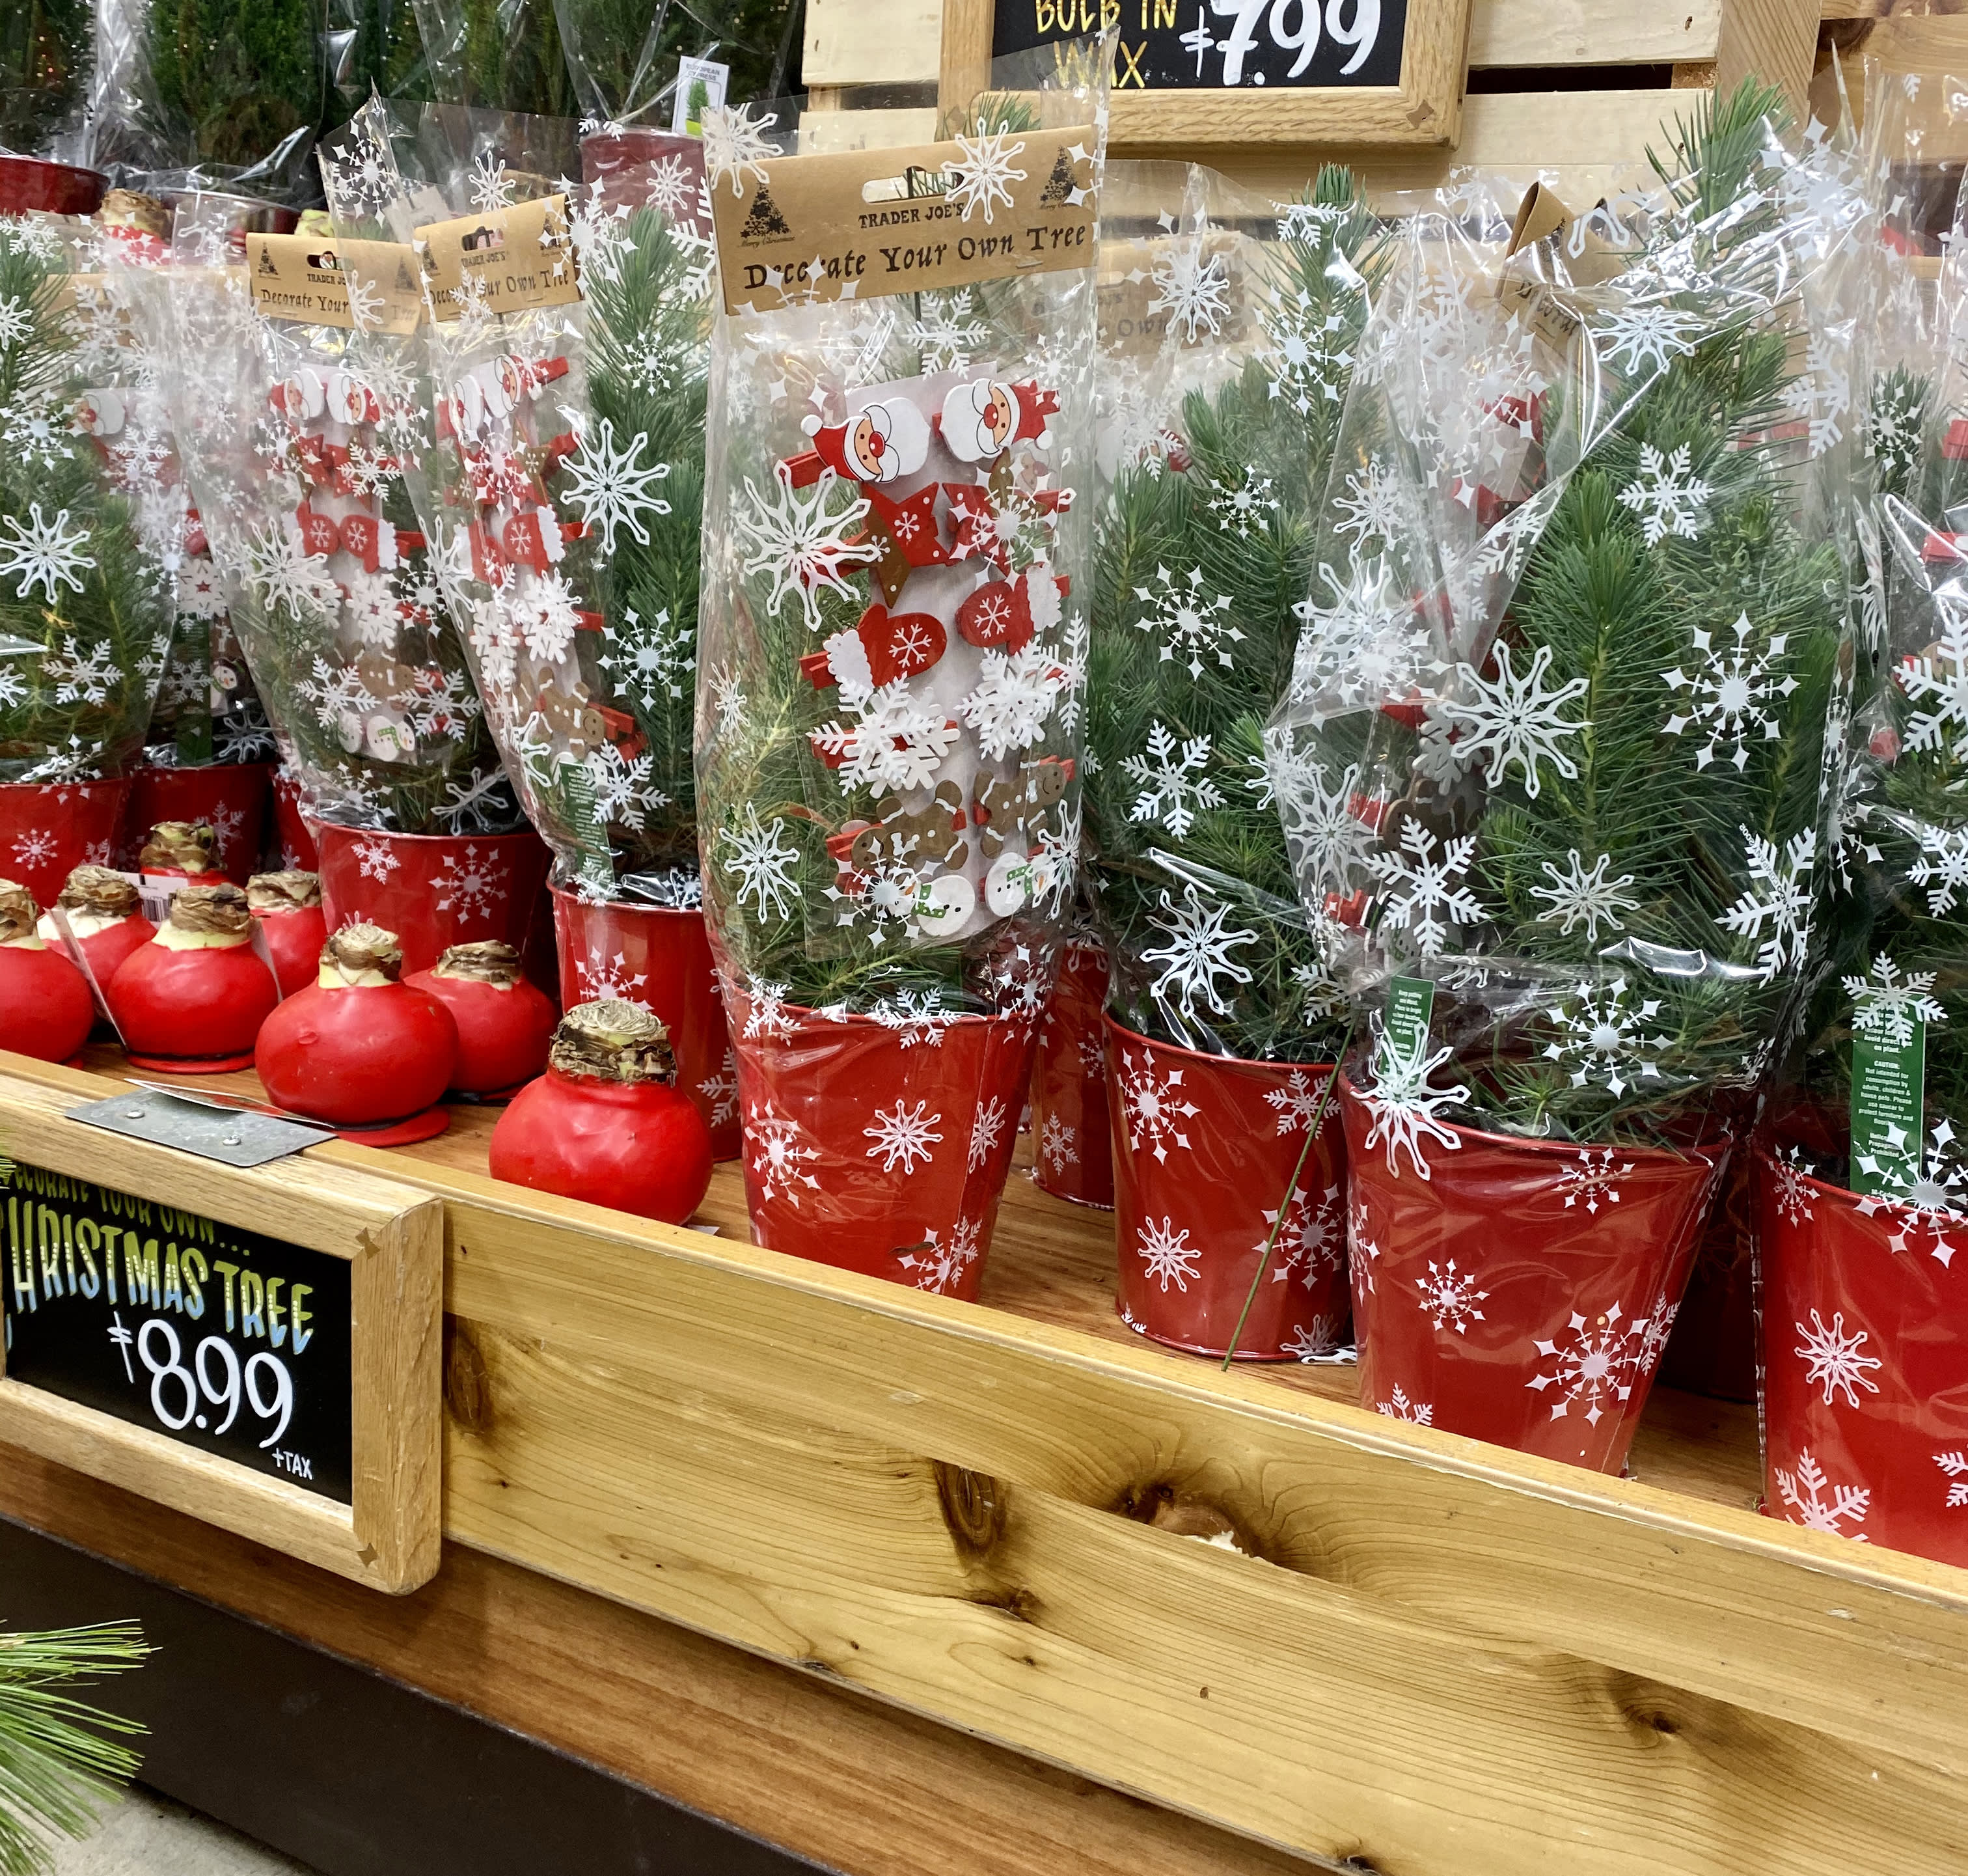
[
  {"x": 1404, "y": 1107},
  {"x": 1416, "y": 1413},
  {"x": 765, "y": 1012},
  {"x": 610, "y": 484},
  {"x": 939, "y": 1266},
  {"x": 1593, "y": 1365},
  {"x": 1306, "y": 353},
  {"x": 779, "y": 1154},
  {"x": 474, "y": 883},
  {"x": 1666, "y": 497},
  {"x": 1317, "y": 1341},
  {"x": 544, "y": 610},
  {"x": 1942, "y": 867},
  {"x": 624, "y": 792},
  {"x": 1929, "y": 1190},
  {"x": 1653, "y": 1341},
  {"x": 1242, "y": 510},
  {"x": 1603, "y": 1039},
  {"x": 375, "y": 860},
  {"x": 1092, "y": 1058},
  {"x": 1154, "y": 1105},
  {"x": 1638, "y": 336},
  {"x": 724, "y": 686},
  {"x": 17, "y": 321},
  {"x": 1362, "y": 1253},
  {"x": 1073, "y": 666},
  {"x": 1449, "y": 1298},
  {"x": 948, "y": 330},
  {"x": 1173, "y": 779},
  {"x": 1194, "y": 291},
  {"x": 1833, "y": 1360},
  {"x": 605, "y": 980},
  {"x": 1821, "y": 393},
  {"x": 1200, "y": 942},
  {"x": 1013, "y": 698},
  {"x": 1055, "y": 1147},
  {"x": 750, "y": 852},
  {"x": 43, "y": 553},
  {"x": 914, "y": 1016},
  {"x": 1594, "y": 1179},
  {"x": 1887, "y": 1006},
  {"x": 1939, "y": 677},
  {"x": 1188, "y": 620},
  {"x": 982, "y": 177},
  {"x": 792, "y": 539},
  {"x": 375, "y": 613},
  {"x": 1166, "y": 1254},
  {"x": 35, "y": 847},
  {"x": 491, "y": 187},
  {"x": 79, "y": 677},
  {"x": 1956, "y": 1466},
  {"x": 650, "y": 658},
  {"x": 1514, "y": 719},
  {"x": 1780, "y": 894},
  {"x": 898, "y": 740},
  {"x": 1330, "y": 843},
  {"x": 289, "y": 578},
  {"x": 1577, "y": 897},
  {"x": 1299, "y": 1102},
  {"x": 1312, "y": 1237},
  {"x": 1422, "y": 894},
  {"x": 1354, "y": 649},
  {"x": 904, "y": 1137},
  {"x": 1371, "y": 508},
  {"x": 986, "y": 1125},
  {"x": 721, "y": 1089},
  {"x": 670, "y": 189},
  {"x": 1804, "y": 1491},
  {"x": 1793, "y": 1188},
  {"x": 736, "y": 145},
  {"x": 1733, "y": 694}
]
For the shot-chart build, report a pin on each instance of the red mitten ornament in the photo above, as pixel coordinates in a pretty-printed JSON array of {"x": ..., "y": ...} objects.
[
  {"x": 192, "y": 1001},
  {"x": 1006, "y": 615},
  {"x": 504, "y": 1022},
  {"x": 884, "y": 646},
  {"x": 45, "y": 1006},
  {"x": 288, "y": 906}
]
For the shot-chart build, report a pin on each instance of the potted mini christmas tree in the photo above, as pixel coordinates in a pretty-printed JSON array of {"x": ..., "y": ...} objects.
[{"x": 1224, "y": 1018}]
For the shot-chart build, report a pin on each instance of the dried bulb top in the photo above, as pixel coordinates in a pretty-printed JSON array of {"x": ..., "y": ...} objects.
[
  {"x": 491, "y": 960},
  {"x": 185, "y": 846},
  {"x": 127, "y": 207},
  {"x": 101, "y": 890},
  {"x": 613, "y": 1041},
  {"x": 220, "y": 909},
  {"x": 18, "y": 913},
  {"x": 284, "y": 891},
  {"x": 356, "y": 948}
]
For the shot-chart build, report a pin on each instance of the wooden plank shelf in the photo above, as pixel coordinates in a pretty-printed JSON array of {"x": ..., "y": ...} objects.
[{"x": 1237, "y": 1596}]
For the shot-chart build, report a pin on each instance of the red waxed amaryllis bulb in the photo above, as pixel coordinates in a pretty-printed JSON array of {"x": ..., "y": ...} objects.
[
  {"x": 607, "y": 1122},
  {"x": 179, "y": 850},
  {"x": 288, "y": 906},
  {"x": 359, "y": 1048},
  {"x": 45, "y": 1006},
  {"x": 106, "y": 913},
  {"x": 192, "y": 1001},
  {"x": 504, "y": 1022}
]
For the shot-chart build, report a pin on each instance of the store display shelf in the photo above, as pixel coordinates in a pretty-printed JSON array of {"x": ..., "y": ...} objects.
[{"x": 1236, "y": 1594}]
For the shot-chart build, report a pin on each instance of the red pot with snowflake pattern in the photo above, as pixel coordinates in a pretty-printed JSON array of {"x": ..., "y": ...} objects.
[
  {"x": 1520, "y": 1292},
  {"x": 231, "y": 799},
  {"x": 1864, "y": 1362},
  {"x": 660, "y": 957},
  {"x": 1208, "y": 1150},
  {"x": 433, "y": 890},
  {"x": 48, "y": 829},
  {"x": 298, "y": 852},
  {"x": 1072, "y": 1156},
  {"x": 880, "y": 1144}
]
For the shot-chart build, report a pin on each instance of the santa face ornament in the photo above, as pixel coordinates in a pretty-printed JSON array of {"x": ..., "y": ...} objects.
[
  {"x": 981, "y": 419},
  {"x": 884, "y": 441}
]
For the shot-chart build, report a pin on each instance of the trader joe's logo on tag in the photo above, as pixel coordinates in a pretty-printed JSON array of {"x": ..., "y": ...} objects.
[
  {"x": 511, "y": 261},
  {"x": 360, "y": 286},
  {"x": 862, "y": 223}
]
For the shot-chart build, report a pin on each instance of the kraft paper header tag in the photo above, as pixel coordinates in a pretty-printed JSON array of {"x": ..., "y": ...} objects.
[
  {"x": 360, "y": 286},
  {"x": 862, "y": 223},
  {"x": 1540, "y": 309},
  {"x": 513, "y": 260}
]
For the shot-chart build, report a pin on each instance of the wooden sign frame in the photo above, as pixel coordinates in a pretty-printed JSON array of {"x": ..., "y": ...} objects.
[
  {"x": 1424, "y": 111},
  {"x": 392, "y": 1236}
]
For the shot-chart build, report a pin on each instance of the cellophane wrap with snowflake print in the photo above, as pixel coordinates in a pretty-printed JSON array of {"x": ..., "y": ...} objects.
[
  {"x": 565, "y": 494},
  {"x": 295, "y": 436},
  {"x": 891, "y": 690},
  {"x": 85, "y": 582},
  {"x": 1553, "y": 741},
  {"x": 1229, "y": 329}
]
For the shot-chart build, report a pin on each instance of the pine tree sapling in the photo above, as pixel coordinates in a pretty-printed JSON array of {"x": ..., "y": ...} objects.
[
  {"x": 891, "y": 694},
  {"x": 1574, "y": 703}
]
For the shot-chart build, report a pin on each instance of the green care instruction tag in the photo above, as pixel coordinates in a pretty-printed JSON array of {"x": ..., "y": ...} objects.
[
  {"x": 1888, "y": 1121},
  {"x": 1410, "y": 1003}
]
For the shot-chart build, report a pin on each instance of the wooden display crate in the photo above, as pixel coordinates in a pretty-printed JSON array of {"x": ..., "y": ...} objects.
[{"x": 1237, "y": 1596}]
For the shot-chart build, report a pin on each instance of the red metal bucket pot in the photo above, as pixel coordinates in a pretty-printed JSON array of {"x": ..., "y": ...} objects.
[
  {"x": 433, "y": 890},
  {"x": 29, "y": 184},
  {"x": 1205, "y": 1148},
  {"x": 1865, "y": 1364},
  {"x": 1522, "y": 1292},
  {"x": 230, "y": 798},
  {"x": 1073, "y": 1157},
  {"x": 653, "y": 955},
  {"x": 290, "y": 821},
  {"x": 48, "y": 829},
  {"x": 880, "y": 1147}
]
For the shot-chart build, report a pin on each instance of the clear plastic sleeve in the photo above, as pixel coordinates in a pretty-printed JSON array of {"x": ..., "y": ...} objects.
[{"x": 496, "y": 55}]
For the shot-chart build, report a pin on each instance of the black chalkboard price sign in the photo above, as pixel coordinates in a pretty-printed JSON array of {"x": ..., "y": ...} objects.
[
  {"x": 257, "y": 1346},
  {"x": 227, "y": 1340}
]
